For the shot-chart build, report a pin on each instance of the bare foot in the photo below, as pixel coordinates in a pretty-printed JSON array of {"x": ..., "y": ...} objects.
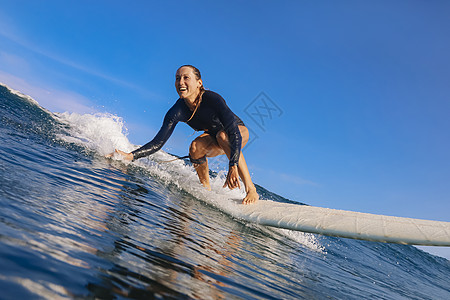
[
  {"x": 252, "y": 197},
  {"x": 206, "y": 184}
]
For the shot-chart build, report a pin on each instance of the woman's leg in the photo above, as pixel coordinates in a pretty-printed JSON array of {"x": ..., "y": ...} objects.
[
  {"x": 204, "y": 145},
  {"x": 222, "y": 140}
]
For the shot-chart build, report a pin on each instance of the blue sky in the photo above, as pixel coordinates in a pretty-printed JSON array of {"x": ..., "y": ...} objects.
[{"x": 362, "y": 86}]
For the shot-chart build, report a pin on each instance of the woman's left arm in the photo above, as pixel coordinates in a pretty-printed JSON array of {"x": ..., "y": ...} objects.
[{"x": 227, "y": 118}]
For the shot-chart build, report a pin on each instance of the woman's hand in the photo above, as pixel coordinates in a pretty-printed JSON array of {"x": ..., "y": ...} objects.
[
  {"x": 125, "y": 155},
  {"x": 232, "y": 178}
]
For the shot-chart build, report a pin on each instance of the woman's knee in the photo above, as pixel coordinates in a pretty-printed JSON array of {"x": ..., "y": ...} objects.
[
  {"x": 222, "y": 137},
  {"x": 200, "y": 146},
  {"x": 195, "y": 149}
]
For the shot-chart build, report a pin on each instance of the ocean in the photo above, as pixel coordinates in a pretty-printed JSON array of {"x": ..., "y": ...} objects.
[{"x": 75, "y": 225}]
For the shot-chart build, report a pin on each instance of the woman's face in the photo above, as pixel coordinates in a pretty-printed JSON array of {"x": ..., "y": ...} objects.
[{"x": 187, "y": 84}]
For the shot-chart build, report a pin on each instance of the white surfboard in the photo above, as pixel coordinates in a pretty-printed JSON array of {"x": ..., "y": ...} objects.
[{"x": 348, "y": 224}]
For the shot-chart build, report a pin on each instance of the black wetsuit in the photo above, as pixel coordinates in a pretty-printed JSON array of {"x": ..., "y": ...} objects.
[{"x": 212, "y": 116}]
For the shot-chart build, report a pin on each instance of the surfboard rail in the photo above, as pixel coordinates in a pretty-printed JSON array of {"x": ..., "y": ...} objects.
[{"x": 349, "y": 224}]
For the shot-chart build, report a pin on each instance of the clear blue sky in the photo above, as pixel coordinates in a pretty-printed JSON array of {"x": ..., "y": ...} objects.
[{"x": 363, "y": 86}]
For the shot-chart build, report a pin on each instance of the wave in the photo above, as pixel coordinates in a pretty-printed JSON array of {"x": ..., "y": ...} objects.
[{"x": 99, "y": 134}]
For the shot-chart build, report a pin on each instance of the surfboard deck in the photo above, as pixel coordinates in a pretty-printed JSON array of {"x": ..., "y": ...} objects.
[{"x": 348, "y": 224}]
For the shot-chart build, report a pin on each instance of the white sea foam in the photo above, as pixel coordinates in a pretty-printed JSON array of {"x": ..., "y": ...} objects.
[
  {"x": 101, "y": 132},
  {"x": 308, "y": 240},
  {"x": 105, "y": 132}
]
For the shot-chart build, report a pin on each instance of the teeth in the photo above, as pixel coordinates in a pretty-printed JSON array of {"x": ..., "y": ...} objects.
[{"x": 182, "y": 89}]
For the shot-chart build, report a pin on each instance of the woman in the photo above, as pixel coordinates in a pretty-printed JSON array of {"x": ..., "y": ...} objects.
[{"x": 224, "y": 132}]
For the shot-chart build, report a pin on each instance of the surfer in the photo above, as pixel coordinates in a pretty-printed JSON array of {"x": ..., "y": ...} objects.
[{"x": 224, "y": 132}]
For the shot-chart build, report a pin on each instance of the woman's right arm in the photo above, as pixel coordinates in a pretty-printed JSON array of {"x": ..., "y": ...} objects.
[{"x": 170, "y": 121}]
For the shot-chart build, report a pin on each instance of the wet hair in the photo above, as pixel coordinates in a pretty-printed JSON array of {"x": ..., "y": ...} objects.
[
  {"x": 198, "y": 76},
  {"x": 194, "y": 70}
]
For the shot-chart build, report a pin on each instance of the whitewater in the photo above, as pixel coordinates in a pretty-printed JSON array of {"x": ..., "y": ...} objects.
[{"x": 74, "y": 224}]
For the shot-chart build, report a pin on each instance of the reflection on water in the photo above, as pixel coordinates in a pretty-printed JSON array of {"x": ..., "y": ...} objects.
[{"x": 179, "y": 250}]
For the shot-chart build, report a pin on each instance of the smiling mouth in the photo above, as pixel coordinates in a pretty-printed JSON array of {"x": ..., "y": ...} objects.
[{"x": 183, "y": 89}]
